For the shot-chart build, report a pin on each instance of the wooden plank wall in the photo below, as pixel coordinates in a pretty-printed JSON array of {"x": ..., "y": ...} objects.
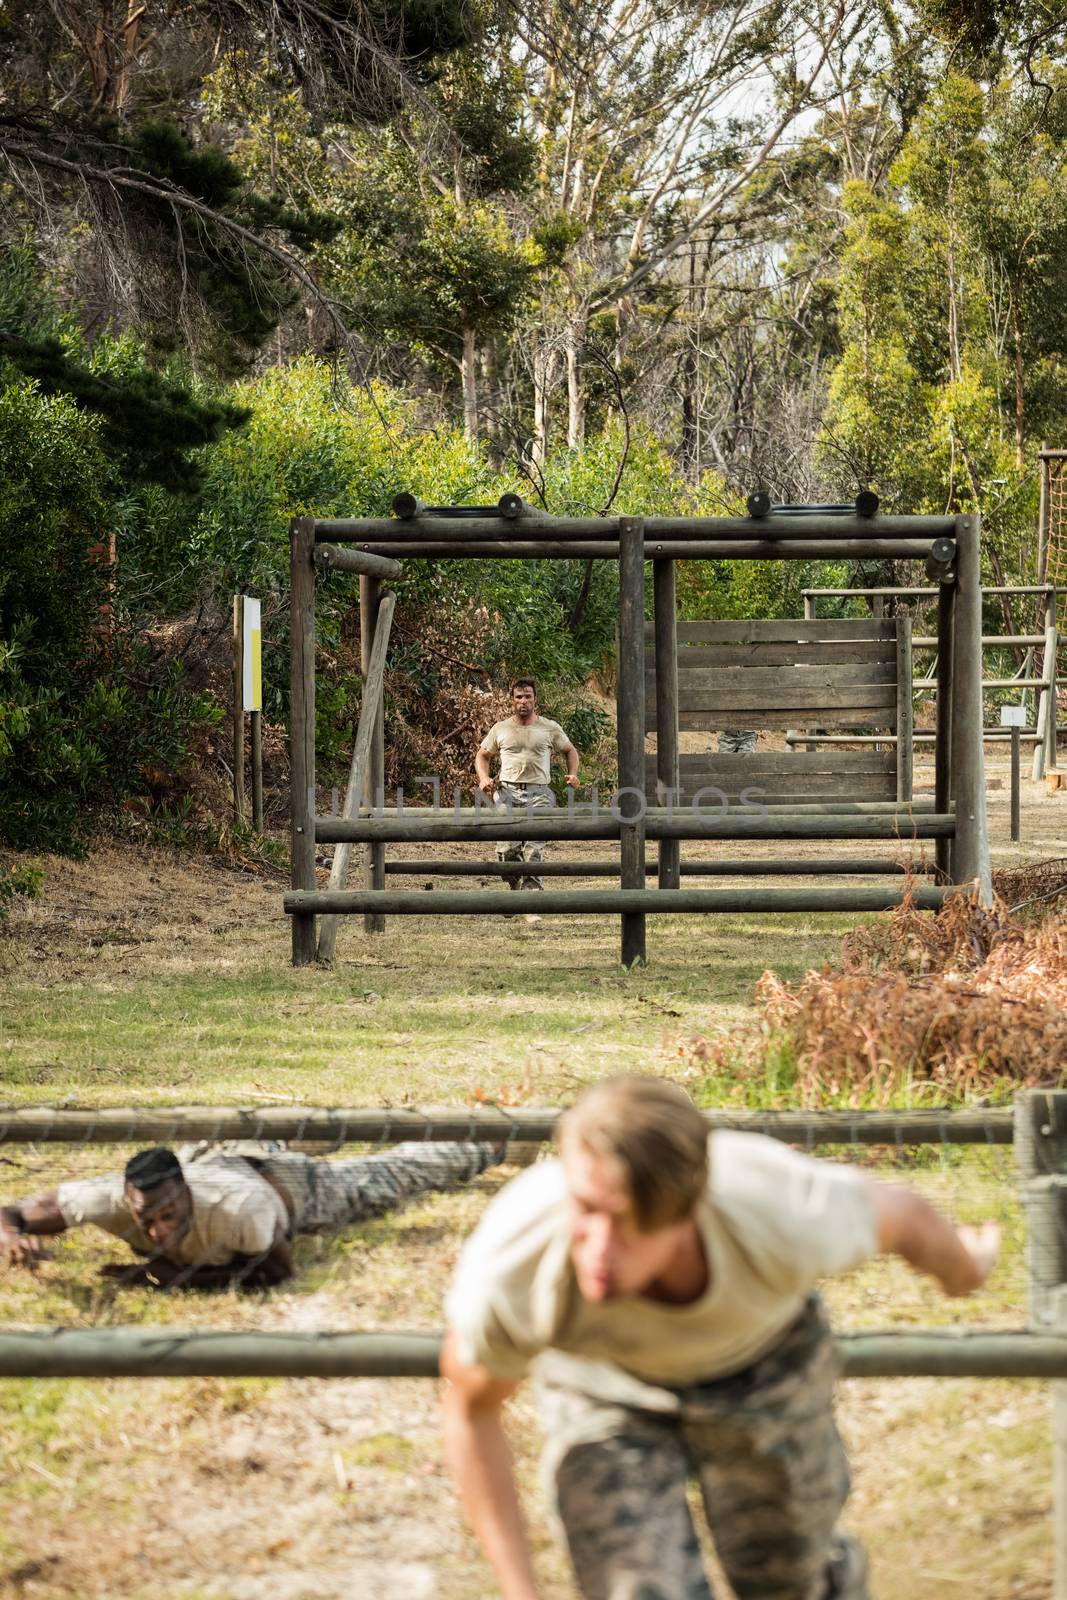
[{"x": 835, "y": 675}]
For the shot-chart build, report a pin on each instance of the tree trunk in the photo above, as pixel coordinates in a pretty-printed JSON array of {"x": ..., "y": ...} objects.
[
  {"x": 544, "y": 363},
  {"x": 688, "y": 444},
  {"x": 470, "y": 385},
  {"x": 1017, "y": 337},
  {"x": 575, "y": 393}
]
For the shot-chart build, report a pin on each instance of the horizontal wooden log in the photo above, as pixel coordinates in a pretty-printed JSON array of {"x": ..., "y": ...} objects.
[
  {"x": 788, "y": 630},
  {"x": 430, "y": 529},
  {"x": 778, "y": 867},
  {"x": 994, "y": 735},
  {"x": 525, "y": 1124},
  {"x": 803, "y": 761},
  {"x": 931, "y": 594},
  {"x": 785, "y": 653},
  {"x": 665, "y": 549},
  {"x": 827, "y": 792},
  {"x": 785, "y": 716},
  {"x": 929, "y": 641},
  {"x": 800, "y": 694},
  {"x": 606, "y": 902},
  {"x": 710, "y": 805},
  {"x": 331, "y": 557},
  {"x": 754, "y": 684},
  {"x": 739, "y": 825},
  {"x": 173, "y": 1352}
]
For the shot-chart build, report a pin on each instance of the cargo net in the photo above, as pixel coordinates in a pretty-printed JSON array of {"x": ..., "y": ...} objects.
[
  {"x": 1056, "y": 559},
  {"x": 375, "y": 1229}
]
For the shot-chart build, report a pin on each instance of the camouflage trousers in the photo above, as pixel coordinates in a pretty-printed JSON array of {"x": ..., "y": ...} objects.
[
  {"x": 765, "y": 1452},
  {"x": 535, "y": 797},
  {"x": 333, "y": 1194},
  {"x": 737, "y": 742}
]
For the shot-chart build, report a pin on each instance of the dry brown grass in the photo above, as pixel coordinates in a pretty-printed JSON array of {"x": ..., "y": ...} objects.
[{"x": 973, "y": 1001}]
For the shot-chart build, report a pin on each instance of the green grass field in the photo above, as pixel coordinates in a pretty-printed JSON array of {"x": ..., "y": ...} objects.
[{"x": 146, "y": 978}]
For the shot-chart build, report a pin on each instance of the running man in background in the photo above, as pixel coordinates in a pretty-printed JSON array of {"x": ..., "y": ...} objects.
[
  {"x": 662, "y": 1283},
  {"x": 526, "y": 744},
  {"x": 223, "y": 1215}
]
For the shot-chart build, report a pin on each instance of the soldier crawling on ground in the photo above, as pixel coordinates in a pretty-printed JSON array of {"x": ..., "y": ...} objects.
[
  {"x": 662, "y": 1285},
  {"x": 526, "y": 743},
  {"x": 223, "y": 1215}
]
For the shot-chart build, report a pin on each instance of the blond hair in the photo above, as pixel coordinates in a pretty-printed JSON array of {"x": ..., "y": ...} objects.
[{"x": 654, "y": 1137}]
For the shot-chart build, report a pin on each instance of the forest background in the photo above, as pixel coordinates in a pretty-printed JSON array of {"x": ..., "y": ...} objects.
[{"x": 263, "y": 259}]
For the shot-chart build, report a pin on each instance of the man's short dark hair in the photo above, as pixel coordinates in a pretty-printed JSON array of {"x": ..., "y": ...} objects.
[
  {"x": 522, "y": 683},
  {"x": 148, "y": 1169}
]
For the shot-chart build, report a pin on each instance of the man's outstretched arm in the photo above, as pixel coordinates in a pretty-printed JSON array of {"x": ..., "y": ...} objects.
[
  {"x": 479, "y": 1459},
  {"x": 23, "y": 1225},
  {"x": 960, "y": 1258}
]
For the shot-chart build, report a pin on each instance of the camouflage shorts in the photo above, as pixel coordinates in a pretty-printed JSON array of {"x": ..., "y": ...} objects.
[{"x": 764, "y": 1450}]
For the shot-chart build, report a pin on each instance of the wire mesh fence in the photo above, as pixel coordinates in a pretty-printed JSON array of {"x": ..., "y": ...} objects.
[{"x": 357, "y": 1189}]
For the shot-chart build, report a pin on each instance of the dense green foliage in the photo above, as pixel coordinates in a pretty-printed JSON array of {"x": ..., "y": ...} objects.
[
  {"x": 85, "y": 712},
  {"x": 265, "y": 261}
]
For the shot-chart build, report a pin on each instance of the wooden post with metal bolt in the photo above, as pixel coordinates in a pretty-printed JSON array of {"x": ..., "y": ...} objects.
[
  {"x": 631, "y": 729},
  {"x": 370, "y": 590},
  {"x": 238, "y": 722},
  {"x": 302, "y": 727},
  {"x": 970, "y": 849},
  {"x": 668, "y": 775},
  {"x": 1041, "y": 1164}
]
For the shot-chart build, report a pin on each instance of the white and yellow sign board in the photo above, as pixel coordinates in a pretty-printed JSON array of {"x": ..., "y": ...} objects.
[{"x": 253, "y": 654}]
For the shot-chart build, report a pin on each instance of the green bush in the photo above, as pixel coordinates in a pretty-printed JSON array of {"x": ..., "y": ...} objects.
[{"x": 85, "y": 709}]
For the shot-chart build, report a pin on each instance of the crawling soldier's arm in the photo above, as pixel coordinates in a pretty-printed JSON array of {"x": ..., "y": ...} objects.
[
  {"x": 23, "y": 1225},
  {"x": 479, "y": 1460}
]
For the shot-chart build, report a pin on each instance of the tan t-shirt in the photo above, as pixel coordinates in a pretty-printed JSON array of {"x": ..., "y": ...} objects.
[
  {"x": 235, "y": 1212},
  {"x": 773, "y": 1222},
  {"x": 525, "y": 749}
]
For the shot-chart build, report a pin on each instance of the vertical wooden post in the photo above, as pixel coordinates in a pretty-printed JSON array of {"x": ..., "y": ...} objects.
[
  {"x": 1040, "y": 1142},
  {"x": 1016, "y": 765},
  {"x": 1041, "y": 1164},
  {"x": 302, "y": 727},
  {"x": 256, "y": 721},
  {"x": 374, "y": 862},
  {"x": 1051, "y": 649},
  {"x": 943, "y": 785},
  {"x": 630, "y": 703},
  {"x": 238, "y": 724},
  {"x": 1059, "y": 1463},
  {"x": 1046, "y": 710},
  {"x": 668, "y": 773},
  {"x": 970, "y": 853},
  {"x": 905, "y": 707},
  {"x": 369, "y": 720},
  {"x": 809, "y": 608}
]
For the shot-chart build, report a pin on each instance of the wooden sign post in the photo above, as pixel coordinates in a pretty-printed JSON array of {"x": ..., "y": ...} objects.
[
  {"x": 247, "y": 696},
  {"x": 1014, "y": 717},
  {"x": 252, "y": 697}
]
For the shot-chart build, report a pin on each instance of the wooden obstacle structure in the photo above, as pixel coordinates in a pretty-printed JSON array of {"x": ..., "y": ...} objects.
[
  {"x": 868, "y": 687},
  {"x": 852, "y": 673},
  {"x": 1042, "y": 731}
]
